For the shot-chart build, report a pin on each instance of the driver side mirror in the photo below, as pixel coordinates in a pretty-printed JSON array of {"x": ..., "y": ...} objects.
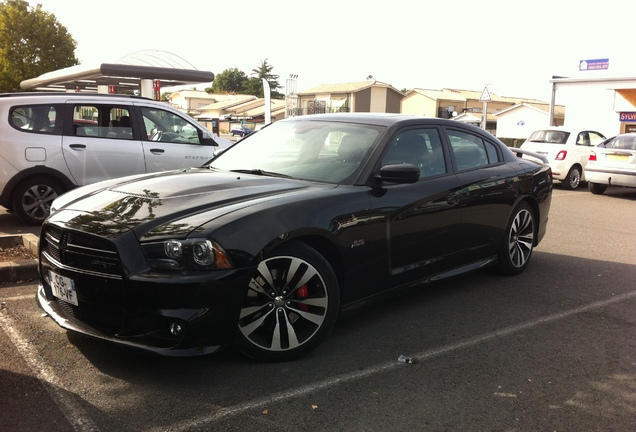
[{"x": 399, "y": 173}]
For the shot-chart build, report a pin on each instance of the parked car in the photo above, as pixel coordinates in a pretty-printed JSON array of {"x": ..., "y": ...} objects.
[
  {"x": 567, "y": 150},
  {"x": 612, "y": 163},
  {"x": 53, "y": 142},
  {"x": 270, "y": 241},
  {"x": 240, "y": 130}
]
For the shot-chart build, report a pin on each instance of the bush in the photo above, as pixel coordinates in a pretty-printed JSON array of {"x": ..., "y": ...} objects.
[{"x": 512, "y": 142}]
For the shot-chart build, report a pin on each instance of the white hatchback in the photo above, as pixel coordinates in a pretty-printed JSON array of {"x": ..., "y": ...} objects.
[
  {"x": 567, "y": 151},
  {"x": 612, "y": 163}
]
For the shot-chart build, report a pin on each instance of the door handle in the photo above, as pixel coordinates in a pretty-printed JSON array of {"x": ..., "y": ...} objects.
[
  {"x": 157, "y": 151},
  {"x": 78, "y": 146}
]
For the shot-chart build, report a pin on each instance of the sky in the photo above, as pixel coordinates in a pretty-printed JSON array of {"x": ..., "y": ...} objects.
[{"x": 511, "y": 47}]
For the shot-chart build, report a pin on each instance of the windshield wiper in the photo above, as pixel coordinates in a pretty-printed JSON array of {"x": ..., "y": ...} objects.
[{"x": 258, "y": 171}]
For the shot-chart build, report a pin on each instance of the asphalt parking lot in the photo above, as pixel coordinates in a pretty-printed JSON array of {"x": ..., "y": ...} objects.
[{"x": 553, "y": 349}]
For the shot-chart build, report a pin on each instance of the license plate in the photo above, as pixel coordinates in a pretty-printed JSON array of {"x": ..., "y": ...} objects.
[
  {"x": 63, "y": 288},
  {"x": 616, "y": 157}
]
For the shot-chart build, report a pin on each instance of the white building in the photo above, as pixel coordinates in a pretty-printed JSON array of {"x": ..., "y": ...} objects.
[
  {"x": 605, "y": 104},
  {"x": 520, "y": 120}
]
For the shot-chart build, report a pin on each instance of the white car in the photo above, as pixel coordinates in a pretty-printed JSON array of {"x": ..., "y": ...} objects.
[
  {"x": 53, "y": 142},
  {"x": 567, "y": 151},
  {"x": 612, "y": 163}
]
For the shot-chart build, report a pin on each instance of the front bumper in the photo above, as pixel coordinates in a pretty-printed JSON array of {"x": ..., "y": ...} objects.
[{"x": 169, "y": 314}]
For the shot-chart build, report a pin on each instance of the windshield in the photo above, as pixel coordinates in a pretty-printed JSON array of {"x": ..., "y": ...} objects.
[
  {"x": 549, "y": 136},
  {"x": 330, "y": 152}
]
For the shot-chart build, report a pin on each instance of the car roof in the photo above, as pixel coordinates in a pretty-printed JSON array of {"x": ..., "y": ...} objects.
[
  {"x": 383, "y": 119},
  {"x": 72, "y": 95}
]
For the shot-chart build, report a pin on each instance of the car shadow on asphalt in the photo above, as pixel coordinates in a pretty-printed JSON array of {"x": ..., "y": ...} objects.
[{"x": 433, "y": 316}]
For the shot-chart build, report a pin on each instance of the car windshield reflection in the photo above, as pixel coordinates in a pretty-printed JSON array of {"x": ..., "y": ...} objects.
[{"x": 308, "y": 150}]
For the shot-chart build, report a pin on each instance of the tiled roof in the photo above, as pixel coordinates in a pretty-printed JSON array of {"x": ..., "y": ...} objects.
[
  {"x": 194, "y": 94},
  {"x": 464, "y": 95},
  {"x": 229, "y": 103},
  {"x": 559, "y": 110},
  {"x": 439, "y": 95},
  {"x": 350, "y": 87}
]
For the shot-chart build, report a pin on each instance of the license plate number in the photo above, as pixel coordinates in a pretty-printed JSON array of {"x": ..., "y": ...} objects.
[
  {"x": 614, "y": 157},
  {"x": 63, "y": 288}
]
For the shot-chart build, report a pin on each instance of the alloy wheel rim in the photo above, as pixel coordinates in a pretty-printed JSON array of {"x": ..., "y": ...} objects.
[
  {"x": 37, "y": 200},
  {"x": 285, "y": 306},
  {"x": 575, "y": 179},
  {"x": 521, "y": 238}
]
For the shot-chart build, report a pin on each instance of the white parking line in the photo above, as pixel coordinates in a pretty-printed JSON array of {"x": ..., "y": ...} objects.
[
  {"x": 421, "y": 356},
  {"x": 75, "y": 415}
]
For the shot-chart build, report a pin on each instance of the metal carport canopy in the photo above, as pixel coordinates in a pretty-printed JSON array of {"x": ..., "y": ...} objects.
[{"x": 122, "y": 76}]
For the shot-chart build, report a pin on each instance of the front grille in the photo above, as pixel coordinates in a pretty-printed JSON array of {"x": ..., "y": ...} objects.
[{"x": 81, "y": 251}]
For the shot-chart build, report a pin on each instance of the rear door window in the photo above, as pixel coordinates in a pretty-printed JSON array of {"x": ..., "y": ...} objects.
[{"x": 471, "y": 151}]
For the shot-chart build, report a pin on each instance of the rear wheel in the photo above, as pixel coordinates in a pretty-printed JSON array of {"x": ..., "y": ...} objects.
[
  {"x": 596, "y": 188},
  {"x": 516, "y": 250},
  {"x": 291, "y": 304},
  {"x": 33, "y": 197},
  {"x": 573, "y": 179}
]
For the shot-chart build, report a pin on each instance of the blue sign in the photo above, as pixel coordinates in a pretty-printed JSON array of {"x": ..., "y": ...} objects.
[
  {"x": 597, "y": 64},
  {"x": 628, "y": 117}
]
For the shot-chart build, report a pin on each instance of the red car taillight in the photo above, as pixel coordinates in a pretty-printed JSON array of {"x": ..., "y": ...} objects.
[
  {"x": 561, "y": 155},
  {"x": 592, "y": 157}
]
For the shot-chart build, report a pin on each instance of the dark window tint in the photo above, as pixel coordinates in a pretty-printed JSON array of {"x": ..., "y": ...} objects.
[
  {"x": 471, "y": 151},
  {"x": 419, "y": 147}
]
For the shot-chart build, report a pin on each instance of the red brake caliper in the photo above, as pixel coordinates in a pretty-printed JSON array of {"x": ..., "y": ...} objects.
[{"x": 303, "y": 292}]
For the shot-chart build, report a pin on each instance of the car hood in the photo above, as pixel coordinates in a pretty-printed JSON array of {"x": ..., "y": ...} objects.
[{"x": 182, "y": 199}]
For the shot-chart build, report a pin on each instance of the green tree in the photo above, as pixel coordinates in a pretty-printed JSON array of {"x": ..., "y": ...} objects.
[
  {"x": 264, "y": 70},
  {"x": 253, "y": 86},
  {"x": 32, "y": 42},
  {"x": 230, "y": 81}
]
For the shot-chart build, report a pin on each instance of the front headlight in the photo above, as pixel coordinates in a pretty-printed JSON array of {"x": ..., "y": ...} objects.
[{"x": 191, "y": 254}]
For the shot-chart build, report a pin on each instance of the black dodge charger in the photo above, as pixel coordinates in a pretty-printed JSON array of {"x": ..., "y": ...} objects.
[{"x": 266, "y": 244}]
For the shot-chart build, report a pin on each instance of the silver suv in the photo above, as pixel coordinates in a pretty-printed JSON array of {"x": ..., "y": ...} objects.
[{"x": 53, "y": 142}]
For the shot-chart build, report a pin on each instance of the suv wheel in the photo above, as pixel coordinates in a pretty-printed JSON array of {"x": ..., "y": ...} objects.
[{"x": 33, "y": 198}]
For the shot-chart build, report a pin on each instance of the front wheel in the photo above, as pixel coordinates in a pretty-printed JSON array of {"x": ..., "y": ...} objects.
[
  {"x": 33, "y": 198},
  {"x": 573, "y": 179},
  {"x": 291, "y": 304},
  {"x": 596, "y": 188},
  {"x": 518, "y": 243}
]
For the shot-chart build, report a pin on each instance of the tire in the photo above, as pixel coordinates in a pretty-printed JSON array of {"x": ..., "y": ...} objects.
[
  {"x": 597, "y": 188},
  {"x": 286, "y": 313},
  {"x": 33, "y": 197},
  {"x": 573, "y": 179},
  {"x": 518, "y": 243}
]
